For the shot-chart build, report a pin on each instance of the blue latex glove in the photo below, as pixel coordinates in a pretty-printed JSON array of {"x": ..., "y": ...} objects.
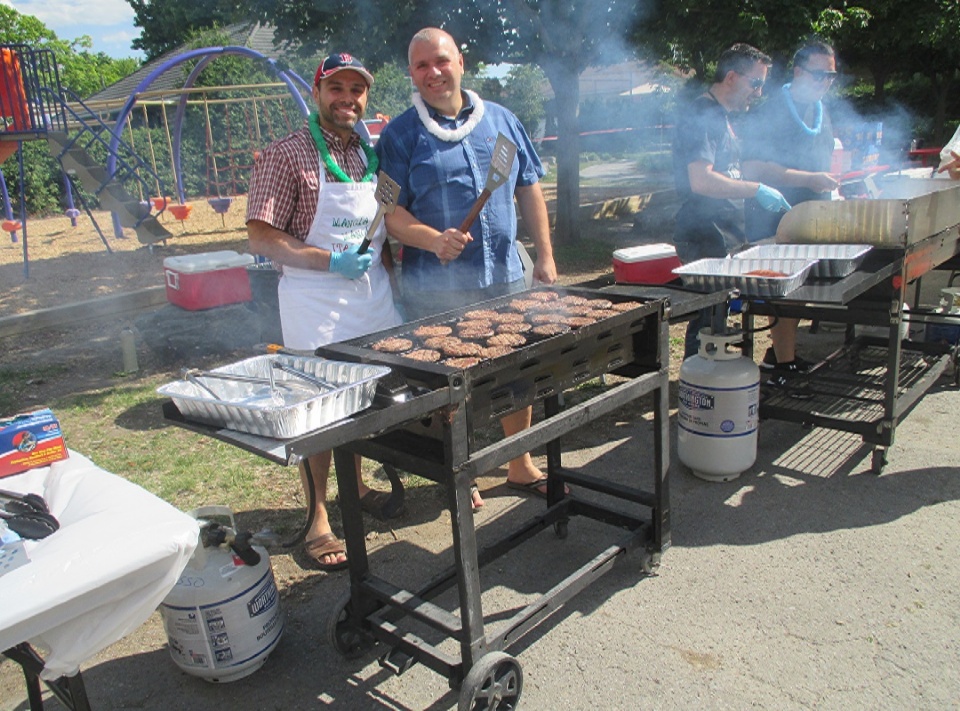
[
  {"x": 771, "y": 199},
  {"x": 349, "y": 263}
]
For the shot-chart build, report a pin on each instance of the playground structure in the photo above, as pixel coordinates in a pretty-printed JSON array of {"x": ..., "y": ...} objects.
[{"x": 114, "y": 151}]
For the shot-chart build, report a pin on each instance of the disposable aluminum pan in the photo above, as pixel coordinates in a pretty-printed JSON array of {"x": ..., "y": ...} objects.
[
  {"x": 833, "y": 260},
  {"x": 719, "y": 274},
  {"x": 294, "y": 407}
]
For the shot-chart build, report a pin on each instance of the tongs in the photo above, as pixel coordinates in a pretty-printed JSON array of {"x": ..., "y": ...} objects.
[
  {"x": 27, "y": 515},
  {"x": 193, "y": 375},
  {"x": 312, "y": 379}
]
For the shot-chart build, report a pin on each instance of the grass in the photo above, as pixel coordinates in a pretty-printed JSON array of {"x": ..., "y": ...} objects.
[{"x": 121, "y": 428}]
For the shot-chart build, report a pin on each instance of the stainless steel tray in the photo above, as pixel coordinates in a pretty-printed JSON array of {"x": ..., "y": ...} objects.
[
  {"x": 908, "y": 210},
  {"x": 717, "y": 274},
  {"x": 833, "y": 260},
  {"x": 297, "y": 407}
]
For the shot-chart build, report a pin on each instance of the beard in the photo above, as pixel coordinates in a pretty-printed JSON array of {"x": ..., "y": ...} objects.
[{"x": 331, "y": 117}]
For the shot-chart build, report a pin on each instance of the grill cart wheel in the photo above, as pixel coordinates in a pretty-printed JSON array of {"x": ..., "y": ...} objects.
[
  {"x": 345, "y": 634},
  {"x": 879, "y": 460},
  {"x": 493, "y": 684}
]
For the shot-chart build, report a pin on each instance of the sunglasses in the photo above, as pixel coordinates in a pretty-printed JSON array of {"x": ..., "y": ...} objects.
[
  {"x": 820, "y": 74},
  {"x": 755, "y": 82}
]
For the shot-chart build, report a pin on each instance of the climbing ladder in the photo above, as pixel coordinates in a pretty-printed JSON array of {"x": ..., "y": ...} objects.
[{"x": 34, "y": 106}]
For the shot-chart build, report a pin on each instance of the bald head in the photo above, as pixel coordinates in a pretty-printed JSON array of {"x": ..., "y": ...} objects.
[
  {"x": 436, "y": 68},
  {"x": 432, "y": 35}
]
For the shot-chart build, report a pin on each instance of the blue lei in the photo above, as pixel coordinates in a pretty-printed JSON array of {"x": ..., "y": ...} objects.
[{"x": 817, "y": 113}]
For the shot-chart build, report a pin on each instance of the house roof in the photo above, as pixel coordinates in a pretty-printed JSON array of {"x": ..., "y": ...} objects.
[{"x": 255, "y": 36}]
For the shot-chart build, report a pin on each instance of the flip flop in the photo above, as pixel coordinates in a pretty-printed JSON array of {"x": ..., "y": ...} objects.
[
  {"x": 375, "y": 503},
  {"x": 322, "y": 545},
  {"x": 532, "y": 487}
]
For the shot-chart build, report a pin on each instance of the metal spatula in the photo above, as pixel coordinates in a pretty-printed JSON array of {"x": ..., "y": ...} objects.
[
  {"x": 504, "y": 151},
  {"x": 387, "y": 193}
]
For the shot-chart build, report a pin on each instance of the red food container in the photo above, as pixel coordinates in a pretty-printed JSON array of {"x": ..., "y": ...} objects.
[
  {"x": 208, "y": 279},
  {"x": 646, "y": 264}
]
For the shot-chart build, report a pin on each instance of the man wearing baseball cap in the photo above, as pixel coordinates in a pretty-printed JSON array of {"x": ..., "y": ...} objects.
[{"x": 310, "y": 203}]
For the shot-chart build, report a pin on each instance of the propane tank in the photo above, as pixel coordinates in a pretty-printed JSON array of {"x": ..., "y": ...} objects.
[
  {"x": 223, "y": 616},
  {"x": 719, "y": 406}
]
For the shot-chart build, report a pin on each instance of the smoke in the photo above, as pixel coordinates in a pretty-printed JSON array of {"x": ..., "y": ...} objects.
[{"x": 890, "y": 130}]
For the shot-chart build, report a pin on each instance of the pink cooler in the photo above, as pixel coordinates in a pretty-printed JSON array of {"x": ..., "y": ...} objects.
[
  {"x": 646, "y": 264},
  {"x": 208, "y": 279}
]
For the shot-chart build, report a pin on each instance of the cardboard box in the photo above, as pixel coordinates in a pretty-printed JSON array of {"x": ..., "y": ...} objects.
[
  {"x": 30, "y": 440},
  {"x": 646, "y": 264},
  {"x": 208, "y": 279}
]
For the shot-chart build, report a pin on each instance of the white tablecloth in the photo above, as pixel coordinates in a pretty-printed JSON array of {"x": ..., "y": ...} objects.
[{"x": 118, "y": 552}]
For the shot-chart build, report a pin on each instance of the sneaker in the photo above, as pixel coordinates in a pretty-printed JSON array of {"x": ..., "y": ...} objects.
[
  {"x": 798, "y": 389},
  {"x": 769, "y": 362}
]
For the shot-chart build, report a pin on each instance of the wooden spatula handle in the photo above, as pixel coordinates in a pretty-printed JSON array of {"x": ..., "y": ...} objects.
[{"x": 475, "y": 210}]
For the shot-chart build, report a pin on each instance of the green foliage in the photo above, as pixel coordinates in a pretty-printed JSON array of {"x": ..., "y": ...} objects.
[
  {"x": 391, "y": 90},
  {"x": 523, "y": 95},
  {"x": 41, "y": 180},
  {"x": 165, "y": 25}
]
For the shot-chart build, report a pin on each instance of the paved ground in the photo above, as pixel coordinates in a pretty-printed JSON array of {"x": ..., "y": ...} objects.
[{"x": 808, "y": 582}]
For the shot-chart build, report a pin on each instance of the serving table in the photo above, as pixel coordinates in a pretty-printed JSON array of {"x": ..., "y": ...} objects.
[
  {"x": 118, "y": 552},
  {"x": 430, "y": 430}
]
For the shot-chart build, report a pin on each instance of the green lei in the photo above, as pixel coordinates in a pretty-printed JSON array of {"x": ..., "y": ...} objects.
[{"x": 372, "y": 163}]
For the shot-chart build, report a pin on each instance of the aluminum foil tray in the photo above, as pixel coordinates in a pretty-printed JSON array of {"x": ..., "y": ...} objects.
[
  {"x": 833, "y": 260},
  {"x": 297, "y": 409},
  {"x": 718, "y": 274}
]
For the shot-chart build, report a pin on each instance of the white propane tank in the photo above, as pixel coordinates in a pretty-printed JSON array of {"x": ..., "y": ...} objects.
[
  {"x": 719, "y": 409},
  {"x": 223, "y": 616}
]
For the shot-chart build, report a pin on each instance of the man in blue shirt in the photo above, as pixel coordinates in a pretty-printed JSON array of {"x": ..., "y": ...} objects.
[{"x": 439, "y": 151}]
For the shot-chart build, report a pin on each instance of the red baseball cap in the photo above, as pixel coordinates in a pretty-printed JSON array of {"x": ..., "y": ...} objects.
[{"x": 338, "y": 62}]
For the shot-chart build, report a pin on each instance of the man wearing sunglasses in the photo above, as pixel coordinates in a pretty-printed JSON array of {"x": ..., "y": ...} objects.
[
  {"x": 789, "y": 144},
  {"x": 706, "y": 163}
]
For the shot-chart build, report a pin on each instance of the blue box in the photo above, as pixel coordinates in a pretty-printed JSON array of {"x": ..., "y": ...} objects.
[{"x": 30, "y": 440}]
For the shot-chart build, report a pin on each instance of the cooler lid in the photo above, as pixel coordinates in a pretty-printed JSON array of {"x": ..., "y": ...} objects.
[
  {"x": 207, "y": 261},
  {"x": 645, "y": 253}
]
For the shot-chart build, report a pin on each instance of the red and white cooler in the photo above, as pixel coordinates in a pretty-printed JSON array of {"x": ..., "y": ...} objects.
[
  {"x": 645, "y": 264},
  {"x": 208, "y": 279}
]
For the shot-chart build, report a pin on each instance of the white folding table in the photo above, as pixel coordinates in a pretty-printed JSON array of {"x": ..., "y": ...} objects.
[{"x": 117, "y": 554}]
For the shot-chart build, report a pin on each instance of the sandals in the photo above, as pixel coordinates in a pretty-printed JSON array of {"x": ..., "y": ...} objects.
[
  {"x": 533, "y": 487},
  {"x": 324, "y": 545},
  {"x": 378, "y": 504}
]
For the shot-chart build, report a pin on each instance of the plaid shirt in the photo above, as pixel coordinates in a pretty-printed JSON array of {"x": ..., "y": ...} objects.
[{"x": 285, "y": 184}]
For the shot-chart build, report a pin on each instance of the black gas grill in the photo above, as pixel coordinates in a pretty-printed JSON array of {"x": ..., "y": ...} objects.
[{"x": 424, "y": 420}]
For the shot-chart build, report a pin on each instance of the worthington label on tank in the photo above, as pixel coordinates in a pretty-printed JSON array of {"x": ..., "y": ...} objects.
[{"x": 719, "y": 412}]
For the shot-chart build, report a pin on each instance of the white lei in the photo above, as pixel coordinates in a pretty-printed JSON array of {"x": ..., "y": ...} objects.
[{"x": 451, "y": 135}]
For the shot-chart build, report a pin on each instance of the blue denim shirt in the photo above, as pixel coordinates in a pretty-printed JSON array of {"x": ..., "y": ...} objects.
[{"x": 439, "y": 182}]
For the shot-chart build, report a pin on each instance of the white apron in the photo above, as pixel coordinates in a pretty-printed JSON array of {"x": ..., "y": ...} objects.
[{"x": 317, "y": 308}]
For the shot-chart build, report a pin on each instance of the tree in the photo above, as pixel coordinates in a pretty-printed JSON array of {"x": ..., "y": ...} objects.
[
  {"x": 563, "y": 37},
  {"x": 524, "y": 97},
  {"x": 390, "y": 94},
  {"x": 882, "y": 39},
  {"x": 164, "y": 23}
]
